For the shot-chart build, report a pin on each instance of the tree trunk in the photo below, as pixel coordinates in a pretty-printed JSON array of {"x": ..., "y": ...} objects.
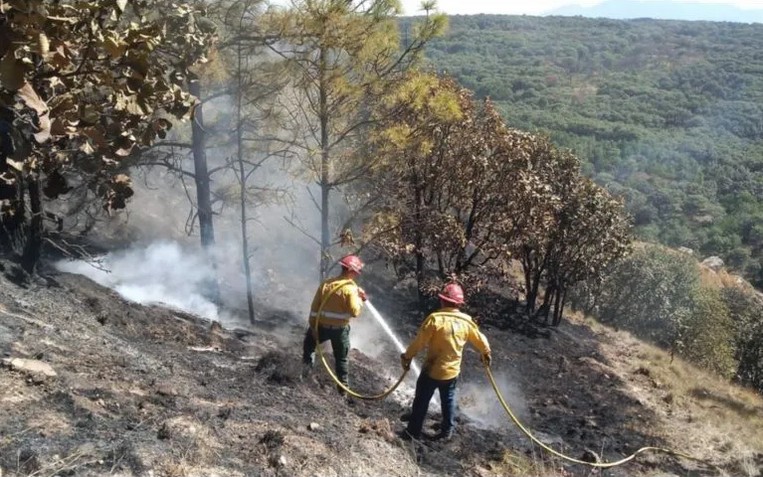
[
  {"x": 420, "y": 279},
  {"x": 545, "y": 307},
  {"x": 418, "y": 240},
  {"x": 537, "y": 270},
  {"x": 13, "y": 216},
  {"x": 532, "y": 296},
  {"x": 533, "y": 273},
  {"x": 203, "y": 193},
  {"x": 526, "y": 270},
  {"x": 561, "y": 298},
  {"x": 242, "y": 194},
  {"x": 31, "y": 255},
  {"x": 325, "y": 168},
  {"x": 12, "y": 213}
]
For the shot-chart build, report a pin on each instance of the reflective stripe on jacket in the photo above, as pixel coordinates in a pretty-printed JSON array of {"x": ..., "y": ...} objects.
[
  {"x": 342, "y": 302},
  {"x": 445, "y": 333}
]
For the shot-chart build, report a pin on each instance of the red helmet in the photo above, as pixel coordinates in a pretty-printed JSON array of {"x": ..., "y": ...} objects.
[
  {"x": 352, "y": 262},
  {"x": 452, "y": 293}
]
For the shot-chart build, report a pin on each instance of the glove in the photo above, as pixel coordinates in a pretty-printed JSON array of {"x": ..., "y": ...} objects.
[
  {"x": 362, "y": 294},
  {"x": 405, "y": 362},
  {"x": 487, "y": 359}
]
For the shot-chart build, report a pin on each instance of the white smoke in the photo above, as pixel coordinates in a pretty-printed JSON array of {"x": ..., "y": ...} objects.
[
  {"x": 161, "y": 273},
  {"x": 478, "y": 402},
  {"x": 368, "y": 337},
  {"x": 283, "y": 261}
]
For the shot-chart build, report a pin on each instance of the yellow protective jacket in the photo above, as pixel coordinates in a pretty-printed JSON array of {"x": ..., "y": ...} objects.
[
  {"x": 445, "y": 333},
  {"x": 342, "y": 302}
]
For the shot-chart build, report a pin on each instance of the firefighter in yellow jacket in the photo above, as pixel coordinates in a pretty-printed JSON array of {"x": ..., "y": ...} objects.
[
  {"x": 445, "y": 333},
  {"x": 342, "y": 301}
]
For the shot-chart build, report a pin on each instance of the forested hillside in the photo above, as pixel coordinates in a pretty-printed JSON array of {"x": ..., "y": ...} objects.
[{"x": 667, "y": 114}]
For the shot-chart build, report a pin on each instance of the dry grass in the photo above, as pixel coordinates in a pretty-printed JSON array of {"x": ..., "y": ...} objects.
[
  {"x": 514, "y": 464},
  {"x": 696, "y": 411},
  {"x": 67, "y": 465},
  {"x": 708, "y": 416},
  {"x": 723, "y": 279},
  {"x": 193, "y": 447}
]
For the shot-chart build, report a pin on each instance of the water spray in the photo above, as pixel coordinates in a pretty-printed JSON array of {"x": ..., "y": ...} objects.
[{"x": 385, "y": 326}]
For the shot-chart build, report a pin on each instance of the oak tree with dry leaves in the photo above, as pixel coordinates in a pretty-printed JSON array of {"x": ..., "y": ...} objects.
[{"x": 84, "y": 85}]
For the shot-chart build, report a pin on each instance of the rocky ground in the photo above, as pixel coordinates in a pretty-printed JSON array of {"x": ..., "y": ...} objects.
[{"x": 93, "y": 385}]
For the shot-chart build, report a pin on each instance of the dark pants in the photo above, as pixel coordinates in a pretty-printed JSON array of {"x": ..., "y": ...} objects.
[
  {"x": 340, "y": 344},
  {"x": 425, "y": 388}
]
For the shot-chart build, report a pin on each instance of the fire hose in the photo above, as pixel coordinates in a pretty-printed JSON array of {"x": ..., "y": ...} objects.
[
  {"x": 319, "y": 349},
  {"x": 501, "y": 399},
  {"x": 601, "y": 465}
]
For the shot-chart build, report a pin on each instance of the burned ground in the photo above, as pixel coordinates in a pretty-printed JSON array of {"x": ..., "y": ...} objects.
[{"x": 147, "y": 390}]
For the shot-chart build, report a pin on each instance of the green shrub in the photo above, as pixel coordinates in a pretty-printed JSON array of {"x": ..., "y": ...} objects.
[
  {"x": 746, "y": 312},
  {"x": 709, "y": 335}
]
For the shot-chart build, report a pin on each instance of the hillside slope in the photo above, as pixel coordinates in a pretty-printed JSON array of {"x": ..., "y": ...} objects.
[{"x": 144, "y": 390}]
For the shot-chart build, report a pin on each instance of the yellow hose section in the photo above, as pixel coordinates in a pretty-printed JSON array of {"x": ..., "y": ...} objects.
[
  {"x": 603, "y": 465},
  {"x": 331, "y": 371}
]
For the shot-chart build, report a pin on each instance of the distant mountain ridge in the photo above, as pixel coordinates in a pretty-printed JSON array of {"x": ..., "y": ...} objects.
[{"x": 666, "y": 10}]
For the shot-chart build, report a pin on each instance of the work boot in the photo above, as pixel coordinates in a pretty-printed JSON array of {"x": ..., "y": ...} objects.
[
  {"x": 407, "y": 436},
  {"x": 444, "y": 436},
  {"x": 307, "y": 368}
]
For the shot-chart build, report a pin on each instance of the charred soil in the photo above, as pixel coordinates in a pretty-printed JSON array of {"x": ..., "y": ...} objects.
[{"x": 92, "y": 384}]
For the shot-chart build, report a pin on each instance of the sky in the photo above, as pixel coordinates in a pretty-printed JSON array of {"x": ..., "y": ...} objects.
[{"x": 537, "y": 7}]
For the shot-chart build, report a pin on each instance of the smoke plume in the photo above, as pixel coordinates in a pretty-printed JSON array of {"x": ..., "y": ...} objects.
[
  {"x": 478, "y": 402},
  {"x": 161, "y": 273}
]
